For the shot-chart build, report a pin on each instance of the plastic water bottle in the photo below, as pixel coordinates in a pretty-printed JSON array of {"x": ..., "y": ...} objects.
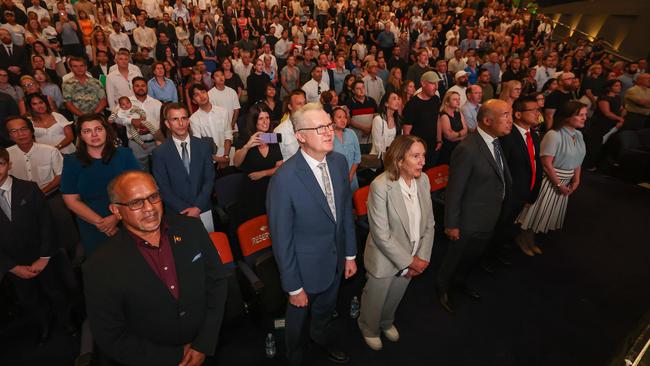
[
  {"x": 270, "y": 346},
  {"x": 354, "y": 308}
]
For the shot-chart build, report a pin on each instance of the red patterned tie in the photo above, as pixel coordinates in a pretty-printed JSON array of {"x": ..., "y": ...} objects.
[{"x": 531, "y": 157}]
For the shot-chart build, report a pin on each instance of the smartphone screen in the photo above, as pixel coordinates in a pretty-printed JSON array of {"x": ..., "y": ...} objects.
[{"x": 271, "y": 138}]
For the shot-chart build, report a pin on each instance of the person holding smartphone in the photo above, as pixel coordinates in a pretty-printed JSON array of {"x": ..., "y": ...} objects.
[{"x": 258, "y": 158}]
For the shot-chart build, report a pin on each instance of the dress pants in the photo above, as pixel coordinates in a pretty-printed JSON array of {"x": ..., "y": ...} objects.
[
  {"x": 379, "y": 301},
  {"x": 143, "y": 154},
  {"x": 461, "y": 257},
  {"x": 321, "y": 306},
  {"x": 505, "y": 231}
]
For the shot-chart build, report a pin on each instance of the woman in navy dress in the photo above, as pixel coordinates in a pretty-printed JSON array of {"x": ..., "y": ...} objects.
[{"x": 86, "y": 174}]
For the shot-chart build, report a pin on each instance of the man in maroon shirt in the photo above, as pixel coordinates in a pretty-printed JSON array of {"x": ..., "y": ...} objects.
[{"x": 156, "y": 290}]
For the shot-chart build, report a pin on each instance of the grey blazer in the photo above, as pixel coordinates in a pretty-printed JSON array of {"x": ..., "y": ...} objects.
[{"x": 389, "y": 248}]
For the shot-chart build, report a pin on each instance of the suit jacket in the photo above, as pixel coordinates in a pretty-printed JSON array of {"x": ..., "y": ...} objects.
[
  {"x": 309, "y": 245},
  {"x": 476, "y": 187},
  {"x": 179, "y": 189},
  {"x": 96, "y": 71},
  {"x": 389, "y": 245},
  {"x": 29, "y": 235},
  {"x": 233, "y": 35},
  {"x": 330, "y": 73},
  {"x": 442, "y": 85},
  {"x": 515, "y": 152},
  {"x": 19, "y": 57},
  {"x": 133, "y": 316}
]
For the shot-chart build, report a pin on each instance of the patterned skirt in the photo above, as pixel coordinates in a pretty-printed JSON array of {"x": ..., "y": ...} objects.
[{"x": 547, "y": 213}]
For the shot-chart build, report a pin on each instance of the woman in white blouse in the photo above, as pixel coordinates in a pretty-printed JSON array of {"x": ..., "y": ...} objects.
[
  {"x": 400, "y": 239},
  {"x": 386, "y": 125},
  {"x": 50, "y": 128}
]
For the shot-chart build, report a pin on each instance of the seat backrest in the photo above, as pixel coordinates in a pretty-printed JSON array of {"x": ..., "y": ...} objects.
[
  {"x": 227, "y": 189},
  {"x": 254, "y": 235},
  {"x": 438, "y": 177},
  {"x": 629, "y": 140},
  {"x": 220, "y": 241},
  {"x": 360, "y": 200},
  {"x": 644, "y": 137}
]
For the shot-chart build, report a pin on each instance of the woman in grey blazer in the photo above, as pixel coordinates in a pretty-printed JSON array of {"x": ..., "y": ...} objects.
[{"x": 401, "y": 237}]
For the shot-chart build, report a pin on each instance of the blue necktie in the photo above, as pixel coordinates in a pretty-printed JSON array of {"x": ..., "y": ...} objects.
[{"x": 185, "y": 156}]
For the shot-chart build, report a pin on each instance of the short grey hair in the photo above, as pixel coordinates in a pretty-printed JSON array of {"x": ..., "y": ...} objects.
[{"x": 298, "y": 117}]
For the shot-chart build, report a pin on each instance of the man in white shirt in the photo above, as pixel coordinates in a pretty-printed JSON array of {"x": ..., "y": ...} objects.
[
  {"x": 457, "y": 63},
  {"x": 38, "y": 163},
  {"x": 212, "y": 121},
  {"x": 461, "y": 86},
  {"x": 144, "y": 36},
  {"x": 119, "y": 40},
  {"x": 225, "y": 97},
  {"x": 152, "y": 7},
  {"x": 151, "y": 107},
  {"x": 471, "y": 107},
  {"x": 243, "y": 68},
  {"x": 120, "y": 78},
  {"x": 315, "y": 86},
  {"x": 544, "y": 72},
  {"x": 266, "y": 51},
  {"x": 36, "y": 8},
  {"x": 278, "y": 27},
  {"x": 282, "y": 47},
  {"x": 374, "y": 85},
  {"x": 289, "y": 144}
]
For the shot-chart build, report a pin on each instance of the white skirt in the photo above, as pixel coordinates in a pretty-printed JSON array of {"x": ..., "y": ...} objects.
[{"x": 547, "y": 213}]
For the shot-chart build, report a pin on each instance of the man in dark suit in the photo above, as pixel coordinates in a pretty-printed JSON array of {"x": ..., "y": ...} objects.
[
  {"x": 13, "y": 58},
  {"x": 446, "y": 78},
  {"x": 521, "y": 151},
  {"x": 8, "y": 107},
  {"x": 478, "y": 180},
  {"x": 155, "y": 291},
  {"x": 103, "y": 65},
  {"x": 26, "y": 246},
  {"x": 232, "y": 31},
  {"x": 310, "y": 218},
  {"x": 184, "y": 169}
]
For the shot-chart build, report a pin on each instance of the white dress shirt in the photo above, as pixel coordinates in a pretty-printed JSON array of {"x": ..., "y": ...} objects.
[
  {"x": 226, "y": 99},
  {"x": 118, "y": 86},
  {"x": 488, "y": 141},
  {"x": 412, "y": 204},
  {"x": 311, "y": 89},
  {"x": 214, "y": 124},
  {"x": 39, "y": 165},
  {"x": 145, "y": 37},
  {"x": 118, "y": 41},
  {"x": 289, "y": 144},
  {"x": 179, "y": 148},
  {"x": 6, "y": 187}
]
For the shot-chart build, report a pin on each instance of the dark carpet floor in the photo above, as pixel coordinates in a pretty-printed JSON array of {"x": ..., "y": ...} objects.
[{"x": 573, "y": 305}]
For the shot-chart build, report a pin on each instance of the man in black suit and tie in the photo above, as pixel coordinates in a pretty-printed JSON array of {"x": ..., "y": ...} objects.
[
  {"x": 309, "y": 204},
  {"x": 232, "y": 31},
  {"x": 521, "y": 151},
  {"x": 184, "y": 168},
  {"x": 478, "y": 181},
  {"x": 103, "y": 65},
  {"x": 13, "y": 58},
  {"x": 446, "y": 78},
  {"x": 26, "y": 246},
  {"x": 155, "y": 292}
]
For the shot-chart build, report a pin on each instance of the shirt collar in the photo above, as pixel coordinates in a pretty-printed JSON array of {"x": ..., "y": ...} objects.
[
  {"x": 488, "y": 139},
  {"x": 177, "y": 142},
  {"x": 141, "y": 242},
  {"x": 313, "y": 163},
  {"x": 412, "y": 191},
  {"x": 522, "y": 130}
]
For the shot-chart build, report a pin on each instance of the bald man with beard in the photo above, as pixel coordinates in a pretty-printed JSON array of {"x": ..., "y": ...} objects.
[{"x": 155, "y": 291}]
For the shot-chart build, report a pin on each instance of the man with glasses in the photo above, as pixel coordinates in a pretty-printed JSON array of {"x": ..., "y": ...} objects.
[
  {"x": 183, "y": 168},
  {"x": 309, "y": 204},
  {"x": 561, "y": 95},
  {"x": 172, "y": 316}
]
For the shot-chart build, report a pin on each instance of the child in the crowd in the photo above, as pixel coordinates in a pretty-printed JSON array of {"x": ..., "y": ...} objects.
[{"x": 135, "y": 120}]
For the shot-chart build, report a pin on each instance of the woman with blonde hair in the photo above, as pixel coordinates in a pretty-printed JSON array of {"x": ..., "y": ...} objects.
[
  {"x": 98, "y": 42},
  {"x": 395, "y": 80},
  {"x": 452, "y": 128},
  {"x": 510, "y": 91},
  {"x": 399, "y": 244}
]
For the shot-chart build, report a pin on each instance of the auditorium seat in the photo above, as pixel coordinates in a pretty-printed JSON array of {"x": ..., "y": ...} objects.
[
  {"x": 360, "y": 201},
  {"x": 438, "y": 178}
]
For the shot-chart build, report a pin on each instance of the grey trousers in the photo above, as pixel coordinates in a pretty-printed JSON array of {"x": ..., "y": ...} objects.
[
  {"x": 142, "y": 154},
  {"x": 379, "y": 301}
]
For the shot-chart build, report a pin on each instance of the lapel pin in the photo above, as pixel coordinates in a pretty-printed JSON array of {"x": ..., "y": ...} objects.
[{"x": 177, "y": 239}]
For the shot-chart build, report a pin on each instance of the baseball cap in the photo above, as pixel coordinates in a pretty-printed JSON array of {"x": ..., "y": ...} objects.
[{"x": 460, "y": 74}]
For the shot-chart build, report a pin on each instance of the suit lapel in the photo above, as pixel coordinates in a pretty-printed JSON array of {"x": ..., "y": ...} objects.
[
  {"x": 522, "y": 146},
  {"x": 397, "y": 201},
  {"x": 195, "y": 162},
  {"x": 17, "y": 197},
  {"x": 308, "y": 179},
  {"x": 425, "y": 210},
  {"x": 183, "y": 257},
  {"x": 337, "y": 188},
  {"x": 488, "y": 155},
  {"x": 176, "y": 160}
]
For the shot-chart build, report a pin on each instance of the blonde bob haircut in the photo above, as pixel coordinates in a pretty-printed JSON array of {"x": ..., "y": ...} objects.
[{"x": 396, "y": 153}]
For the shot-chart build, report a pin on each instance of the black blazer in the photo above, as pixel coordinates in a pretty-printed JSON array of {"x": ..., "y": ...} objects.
[
  {"x": 134, "y": 318},
  {"x": 475, "y": 191},
  {"x": 515, "y": 152},
  {"x": 444, "y": 85},
  {"x": 29, "y": 235},
  {"x": 19, "y": 57},
  {"x": 97, "y": 71},
  {"x": 233, "y": 36}
]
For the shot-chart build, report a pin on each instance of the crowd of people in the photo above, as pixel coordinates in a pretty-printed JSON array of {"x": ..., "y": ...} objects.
[{"x": 190, "y": 92}]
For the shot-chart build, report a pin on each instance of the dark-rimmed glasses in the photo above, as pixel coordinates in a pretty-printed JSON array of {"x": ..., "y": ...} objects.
[
  {"x": 320, "y": 130},
  {"x": 138, "y": 204}
]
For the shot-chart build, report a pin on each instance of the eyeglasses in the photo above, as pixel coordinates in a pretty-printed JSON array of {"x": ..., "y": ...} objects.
[
  {"x": 28, "y": 85},
  {"x": 15, "y": 131},
  {"x": 88, "y": 131},
  {"x": 530, "y": 110},
  {"x": 4, "y": 75},
  {"x": 138, "y": 204},
  {"x": 320, "y": 130}
]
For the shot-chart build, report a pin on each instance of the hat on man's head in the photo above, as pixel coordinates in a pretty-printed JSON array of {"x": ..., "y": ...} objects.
[
  {"x": 430, "y": 77},
  {"x": 460, "y": 74}
]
